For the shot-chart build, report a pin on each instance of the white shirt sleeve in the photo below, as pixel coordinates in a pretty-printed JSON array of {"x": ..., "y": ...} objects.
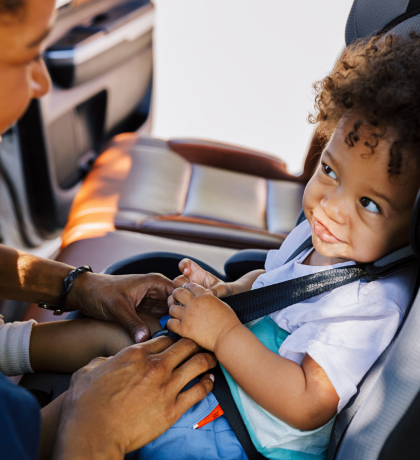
[
  {"x": 14, "y": 347},
  {"x": 345, "y": 339}
]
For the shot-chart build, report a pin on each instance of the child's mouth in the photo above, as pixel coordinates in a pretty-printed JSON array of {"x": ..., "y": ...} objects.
[{"x": 323, "y": 233}]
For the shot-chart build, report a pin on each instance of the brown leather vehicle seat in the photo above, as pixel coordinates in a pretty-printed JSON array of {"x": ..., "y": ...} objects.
[
  {"x": 190, "y": 190},
  {"x": 145, "y": 194}
]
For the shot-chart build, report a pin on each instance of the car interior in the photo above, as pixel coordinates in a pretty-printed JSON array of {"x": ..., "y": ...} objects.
[{"x": 84, "y": 182}]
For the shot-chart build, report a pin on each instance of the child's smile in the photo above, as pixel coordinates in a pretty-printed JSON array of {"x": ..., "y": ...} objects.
[{"x": 356, "y": 210}]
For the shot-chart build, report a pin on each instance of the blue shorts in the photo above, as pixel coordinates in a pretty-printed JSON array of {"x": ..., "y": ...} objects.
[{"x": 214, "y": 441}]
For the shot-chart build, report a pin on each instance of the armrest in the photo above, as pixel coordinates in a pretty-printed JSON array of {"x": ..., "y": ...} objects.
[{"x": 232, "y": 158}]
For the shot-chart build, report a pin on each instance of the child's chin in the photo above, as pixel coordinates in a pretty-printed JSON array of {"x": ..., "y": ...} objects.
[{"x": 330, "y": 250}]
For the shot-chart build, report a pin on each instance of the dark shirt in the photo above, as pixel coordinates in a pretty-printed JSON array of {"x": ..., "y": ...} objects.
[{"x": 20, "y": 422}]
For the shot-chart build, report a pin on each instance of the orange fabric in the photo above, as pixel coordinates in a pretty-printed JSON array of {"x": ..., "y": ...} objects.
[
  {"x": 214, "y": 414},
  {"x": 93, "y": 211}
]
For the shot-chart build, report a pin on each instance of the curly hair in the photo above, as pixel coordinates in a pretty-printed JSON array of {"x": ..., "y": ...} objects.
[{"x": 378, "y": 84}]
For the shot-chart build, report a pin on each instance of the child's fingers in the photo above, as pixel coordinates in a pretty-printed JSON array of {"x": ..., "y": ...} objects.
[
  {"x": 176, "y": 311},
  {"x": 195, "y": 289},
  {"x": 193, "y": 271},
  {"x": 174, "y": 325},
  {"x": 180, "y": 281},
  {"x": 185, "y": 266},
  {"x": 182, "y": 296}
]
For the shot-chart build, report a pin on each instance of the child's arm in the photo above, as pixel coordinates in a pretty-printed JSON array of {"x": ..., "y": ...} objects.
[
  {"x": 66, "y": 346},
  {"x": 193, "y": 273},
  {"x": 301, "y": 396}
]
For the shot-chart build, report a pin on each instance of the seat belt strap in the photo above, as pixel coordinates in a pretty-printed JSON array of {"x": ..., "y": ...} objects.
[
  {"x": 223, "y": 395},
  {"x": 261, "y": 302},
  {"x": 257, "y": 303}
]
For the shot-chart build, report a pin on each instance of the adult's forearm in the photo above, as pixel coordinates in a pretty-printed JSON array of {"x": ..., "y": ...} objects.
[
  {"x": 66, "y": 346},
  {"x": 29, "y": 278}
]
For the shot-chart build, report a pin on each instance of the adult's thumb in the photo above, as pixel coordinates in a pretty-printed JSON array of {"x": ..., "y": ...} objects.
[{"x": 138, "y": 330}]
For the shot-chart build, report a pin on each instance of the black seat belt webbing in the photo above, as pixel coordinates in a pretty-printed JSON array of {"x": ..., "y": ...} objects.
[
  {"x": 261, "y": 302},
  {"x": 223, "y": 395},
  {"x": 257, "y": 303}
]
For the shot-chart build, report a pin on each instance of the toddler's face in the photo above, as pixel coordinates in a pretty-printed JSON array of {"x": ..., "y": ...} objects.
[{"x": 356, "y": 211}]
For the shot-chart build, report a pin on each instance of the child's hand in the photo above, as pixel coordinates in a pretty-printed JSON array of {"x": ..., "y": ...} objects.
[
  {"x": 193, "y": 273},
  {"x": 201, "y": 316}
]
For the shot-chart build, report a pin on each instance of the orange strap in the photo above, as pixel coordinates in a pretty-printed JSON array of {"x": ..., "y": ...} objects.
[{"x": 214, "y": 414}]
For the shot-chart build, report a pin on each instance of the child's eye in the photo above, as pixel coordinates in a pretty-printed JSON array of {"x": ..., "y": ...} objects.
[
  {"x": 328, "y": 171},
  {"x": 370, "y": 205}
]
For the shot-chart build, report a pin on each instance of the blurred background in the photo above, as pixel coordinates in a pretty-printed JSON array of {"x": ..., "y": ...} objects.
[{"x": 241, "y": 72}]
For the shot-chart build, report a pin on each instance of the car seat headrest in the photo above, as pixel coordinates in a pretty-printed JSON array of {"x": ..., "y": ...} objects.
[
  {"x": 403, "y": 257},
  {"x": 370, "y": 17}
]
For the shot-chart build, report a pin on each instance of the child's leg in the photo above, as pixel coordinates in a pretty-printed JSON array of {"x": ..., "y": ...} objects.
[{"x": 213, "y": 441}]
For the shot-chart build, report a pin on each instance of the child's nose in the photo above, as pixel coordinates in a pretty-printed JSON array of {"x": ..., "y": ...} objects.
[{"x": 334, "y": 207}]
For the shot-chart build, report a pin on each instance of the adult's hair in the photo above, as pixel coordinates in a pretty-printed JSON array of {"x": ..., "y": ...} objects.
[
  {"x": 12, "y": 7},
  {"x": 376, "y": 83}
]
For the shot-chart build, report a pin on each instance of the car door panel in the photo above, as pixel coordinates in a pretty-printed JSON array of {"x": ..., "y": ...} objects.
[{"x": 61, "y": 133}]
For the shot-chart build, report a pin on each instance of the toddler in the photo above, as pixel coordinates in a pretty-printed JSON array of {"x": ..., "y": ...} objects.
[{"x": 291, "y": 372}]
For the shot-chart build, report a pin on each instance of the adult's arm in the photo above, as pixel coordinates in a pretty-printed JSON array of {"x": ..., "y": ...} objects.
[
  {"x": 28, "y": 278},
  {"x": 119, "y": 404}
]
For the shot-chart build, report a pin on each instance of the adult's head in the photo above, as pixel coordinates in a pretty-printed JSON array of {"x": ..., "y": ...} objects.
[{"x": 24, "y": 26}]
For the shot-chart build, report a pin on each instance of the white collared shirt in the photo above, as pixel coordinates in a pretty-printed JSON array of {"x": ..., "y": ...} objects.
[{"x": 344, "y": 330}]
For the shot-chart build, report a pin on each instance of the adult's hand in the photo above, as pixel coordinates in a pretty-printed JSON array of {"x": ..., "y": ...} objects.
[
  {"x": 118, "y": 298},
  {"x": 119, "y": 404}
]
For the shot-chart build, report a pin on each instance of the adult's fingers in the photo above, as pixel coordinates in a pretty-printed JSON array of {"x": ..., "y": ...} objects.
[
  {"x": 199, "y": 391},
  {"x": 155, "y": 346},
  {"x": 179, "y": 352},
  {"x": 196, "y": 365}
]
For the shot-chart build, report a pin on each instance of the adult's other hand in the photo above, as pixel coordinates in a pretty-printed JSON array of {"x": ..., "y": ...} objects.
[
  {"x": 118, "y": 298},
  {"x": 119, "y": 404}
]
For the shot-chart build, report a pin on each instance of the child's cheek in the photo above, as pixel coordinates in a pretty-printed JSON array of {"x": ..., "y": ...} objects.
[{"x": 309, "y": 201}]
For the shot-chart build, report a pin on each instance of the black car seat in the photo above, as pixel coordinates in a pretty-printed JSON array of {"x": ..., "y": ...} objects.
[{"x": 383, "y": 419}]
